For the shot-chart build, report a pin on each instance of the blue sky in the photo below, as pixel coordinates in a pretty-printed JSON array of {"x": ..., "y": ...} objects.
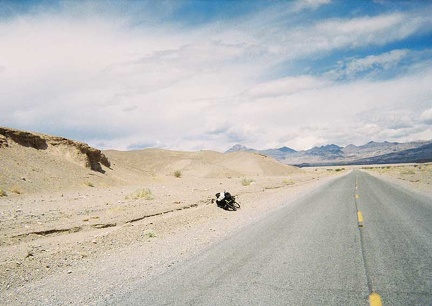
[{"x": 193, "y": 75}]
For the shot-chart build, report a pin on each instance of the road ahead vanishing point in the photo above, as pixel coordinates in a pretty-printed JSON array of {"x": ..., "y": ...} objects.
[{"x": 356, "y": 241}]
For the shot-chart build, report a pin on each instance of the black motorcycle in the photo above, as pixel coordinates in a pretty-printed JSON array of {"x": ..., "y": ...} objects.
[{"x": 228, "y": 202}]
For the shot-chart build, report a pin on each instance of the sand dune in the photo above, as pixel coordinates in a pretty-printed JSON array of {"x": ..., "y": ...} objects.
[
  {"x": 33, "y": 162},
  {"x": 204, "y": 164}
]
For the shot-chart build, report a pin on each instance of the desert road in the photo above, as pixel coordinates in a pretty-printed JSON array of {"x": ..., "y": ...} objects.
[{"x": 356, "y": 241}]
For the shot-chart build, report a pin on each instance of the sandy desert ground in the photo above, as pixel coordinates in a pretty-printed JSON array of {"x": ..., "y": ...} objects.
[
  {"x": 148, "y": 210},
  {"x": 59, "y": 217},
  {"x": 417, "y": 177}
]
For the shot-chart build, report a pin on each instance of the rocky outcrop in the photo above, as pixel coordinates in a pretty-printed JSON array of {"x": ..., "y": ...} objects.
[
  {"x": 23, "y": 138},
  {"x": 75, "y": 151},
  {"x": 3, "y": 141}
]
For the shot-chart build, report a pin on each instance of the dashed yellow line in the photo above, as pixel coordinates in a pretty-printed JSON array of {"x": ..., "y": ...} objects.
[
  {"x": 375, "y": 299},
  {"x": 360, "y": 218}
]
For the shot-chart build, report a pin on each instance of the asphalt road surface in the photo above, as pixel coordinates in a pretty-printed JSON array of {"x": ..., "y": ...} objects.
[{"x": 356, "y": 241}]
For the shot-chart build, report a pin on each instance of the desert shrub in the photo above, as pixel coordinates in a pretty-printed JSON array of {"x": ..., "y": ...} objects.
[
  {"x": 90, "y": 184},
  {"x": 246, "y": 181},
  {"x": 2, "y": 193},
  {"x": 177, "y": 173},
  {"x": 143, "y": 193},
  {"x": 16, "y": 190},
  {"x": 151, "y": 234},
  {"x": 340, "y": 169},
  {"x": 288, "y": 182},
  {"x": 407, "y": 172}
]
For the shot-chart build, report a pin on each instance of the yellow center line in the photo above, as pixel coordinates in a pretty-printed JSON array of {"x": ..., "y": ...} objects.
[
  {"x": 375, "y": 299},
  {"x": 360, "y": 218}
]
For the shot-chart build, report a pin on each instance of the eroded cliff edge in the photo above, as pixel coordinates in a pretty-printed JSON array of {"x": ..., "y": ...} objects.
[{"x": 77, "y": 152}]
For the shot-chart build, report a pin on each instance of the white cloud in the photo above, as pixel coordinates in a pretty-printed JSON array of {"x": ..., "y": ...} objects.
[
  {"x": 116, "y": 83},
  {"x": 305, "y": 142},
  {"x": 342, "y": 33},
  {"x": 426, "y": 116},
  {"x": 309, "y": 4},
  {"x": 355, "y": 112},
  {"x": 385, "y": 60},
  {"x": 369, "y": 130},
  {"x": 370, "y": 64},
  {"x": 286, "y": 86}
]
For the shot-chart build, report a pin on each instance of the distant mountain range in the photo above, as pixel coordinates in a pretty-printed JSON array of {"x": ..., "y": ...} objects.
[{"x": 370, "y": 153}]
